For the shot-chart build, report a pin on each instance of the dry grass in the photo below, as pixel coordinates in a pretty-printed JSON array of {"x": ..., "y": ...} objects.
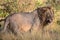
[{"x": 31, "y": 36}]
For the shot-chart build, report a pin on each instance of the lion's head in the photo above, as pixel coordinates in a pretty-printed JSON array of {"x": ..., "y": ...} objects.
[{"x": 46, "y": 15}]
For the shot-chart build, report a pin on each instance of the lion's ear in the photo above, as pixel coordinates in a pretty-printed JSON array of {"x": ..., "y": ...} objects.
[
  {"x": 49, "y": 7},
  {"x": 41, "y": 10},
  {"x": 44, "y": 10}
]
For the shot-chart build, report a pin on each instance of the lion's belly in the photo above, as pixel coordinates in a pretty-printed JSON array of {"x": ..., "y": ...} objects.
[{"x": 25, "y": 27}]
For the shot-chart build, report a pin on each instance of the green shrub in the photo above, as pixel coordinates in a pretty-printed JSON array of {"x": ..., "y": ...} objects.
[{"x": 58, "y": 22}]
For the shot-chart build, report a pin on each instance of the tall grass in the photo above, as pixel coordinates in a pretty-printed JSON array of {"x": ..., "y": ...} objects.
[{"x": 49, "y": 35}]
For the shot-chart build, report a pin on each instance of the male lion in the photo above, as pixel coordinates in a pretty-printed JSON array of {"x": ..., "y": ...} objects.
[{"x": 26, "y": 21}]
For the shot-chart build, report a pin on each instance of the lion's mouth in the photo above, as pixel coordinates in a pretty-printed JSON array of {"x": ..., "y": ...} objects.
[{"x": 48, "y": 21}]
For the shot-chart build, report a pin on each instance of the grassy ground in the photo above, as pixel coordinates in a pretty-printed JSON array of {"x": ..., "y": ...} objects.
[{"x": 52, "y": 32}]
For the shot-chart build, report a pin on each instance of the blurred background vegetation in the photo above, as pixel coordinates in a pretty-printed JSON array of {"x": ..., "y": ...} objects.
[{"x": 12, "y": 6}]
